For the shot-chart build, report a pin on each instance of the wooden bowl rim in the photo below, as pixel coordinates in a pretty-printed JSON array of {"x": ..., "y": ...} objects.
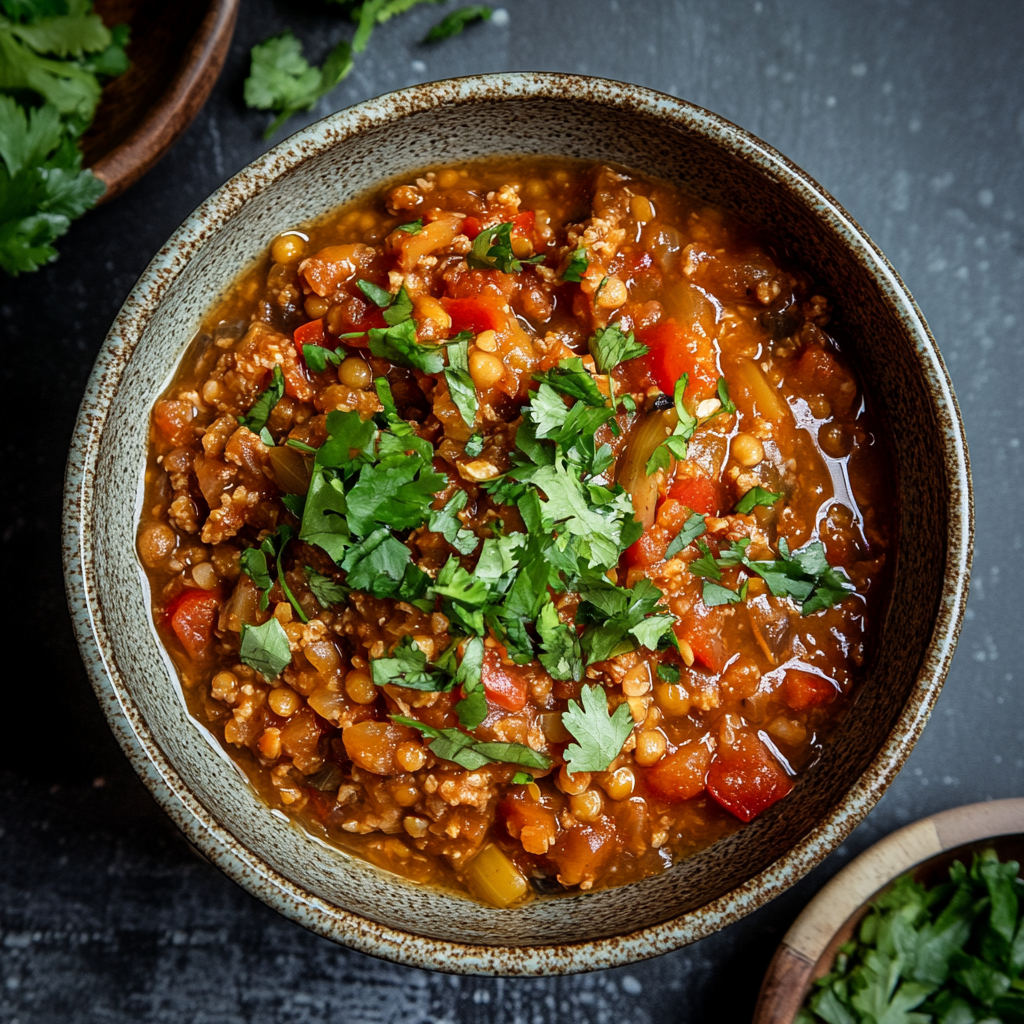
[
  {"x": 793, "y": 968},
  {"x": 178, "y": 104}
]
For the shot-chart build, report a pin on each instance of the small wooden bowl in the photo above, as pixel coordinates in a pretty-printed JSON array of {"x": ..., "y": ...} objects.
[
  {"x": 177, "y": 51},
  {"x": 928, "y": 847}
]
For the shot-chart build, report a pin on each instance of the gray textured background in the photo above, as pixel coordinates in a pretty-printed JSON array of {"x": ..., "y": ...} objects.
[{"x": 911, "y": 113}]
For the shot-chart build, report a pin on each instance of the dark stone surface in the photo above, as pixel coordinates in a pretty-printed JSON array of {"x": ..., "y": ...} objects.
[{"x": 911, "y": 113}]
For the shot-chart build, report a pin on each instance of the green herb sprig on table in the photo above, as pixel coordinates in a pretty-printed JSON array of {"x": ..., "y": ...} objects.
[
  {"x": 54, "y": 55},
  {"x": 952, "y": 954}
]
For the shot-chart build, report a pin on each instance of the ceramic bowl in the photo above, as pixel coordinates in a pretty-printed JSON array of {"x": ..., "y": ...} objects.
[
  {"x": 330, "y": 162},
  {"x": 925, "y": 849}
]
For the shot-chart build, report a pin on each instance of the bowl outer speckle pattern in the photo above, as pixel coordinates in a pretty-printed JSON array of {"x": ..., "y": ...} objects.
[{"x": 345, "y": 898}]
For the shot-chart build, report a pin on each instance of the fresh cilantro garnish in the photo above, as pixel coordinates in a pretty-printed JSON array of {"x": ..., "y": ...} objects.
[
  {"x": 452, "y": 24},
  {"x": 492, "y": 250},
  {"x": 571, "y": 378},
  {"x": 560, "y": 653},
  {"x": 715, "y": 594},
  {"x": 256, "y": 418},
  {"x": 522, "y": 779},
  {"x": 675, "y": 444},
  {"x": 609, "y": 347},
  {"x": 577, "y": 266},
  {"x": 599, "y": 736},
  {"x": 706, "y": 566},
  {"x": 253, "y": 562},
  {"x": 620, "y": 619},
  {"x": 952, "y": 953},
  {"x": 599, "y": 289},
  {"x": 460, "y": 383},
  {"x": 265, "y": 648},
  {"x": 693, "y": 528},
  {"x": 446, "y": 522},
  {"x": 317, "y": 357},
  {"x": 324, "y": 589},
  {"x": 463, "y": 749},
  {"x": 414, "y": 227},
  {"x": 407, "y": 666},
  {"x": 475, "y": 445},
  {"x": 51, "y": 59},
  {"x": 728, "y": 406},
  {"x": 668, "y": 673},
  {"x": 754, "y": 497},
  {"x": 378, "y": 296},
  {"x": 281, "y": 79},
  {"x": 398, "y": 345}
]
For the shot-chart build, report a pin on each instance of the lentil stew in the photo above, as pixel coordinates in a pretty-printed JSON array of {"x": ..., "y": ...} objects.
[{"x": 519, "y": 527}]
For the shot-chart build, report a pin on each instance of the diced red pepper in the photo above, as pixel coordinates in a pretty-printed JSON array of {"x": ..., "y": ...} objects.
[
  {"x": 649, "y": 549},
  {"x": 680, "y": 775},
  {"x": 802, "y": 689},
  {"x": 471, "y": 227},
  {"x": 191, "y": 615},
  {"x": 504, "y": 685},
  {"x": 745, "y": 779},
  {"x": 477, "y": 313},
  {"x": 675, "y": 351},
  {"x": 699, "y": 493},
  {"x": 309, "y": 334}
]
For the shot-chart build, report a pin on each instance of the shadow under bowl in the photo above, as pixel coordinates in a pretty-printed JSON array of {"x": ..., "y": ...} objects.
[{"x": 347, "y": 899}]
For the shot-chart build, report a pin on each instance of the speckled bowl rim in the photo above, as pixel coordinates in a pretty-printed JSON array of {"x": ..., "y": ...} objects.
[{"x": 248, "y": 868}]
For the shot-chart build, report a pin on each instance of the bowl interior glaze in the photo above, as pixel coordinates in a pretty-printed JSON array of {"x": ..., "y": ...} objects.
[{"x": 329, "y": 163}]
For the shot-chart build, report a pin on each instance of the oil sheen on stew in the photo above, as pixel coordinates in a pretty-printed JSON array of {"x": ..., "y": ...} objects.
[{"x": 519, "y": 527}]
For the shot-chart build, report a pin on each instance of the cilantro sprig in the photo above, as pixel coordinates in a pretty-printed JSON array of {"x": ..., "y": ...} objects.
[
  {"x": 599, "y": 735},
  {"x": 256, "y": 418},
  {"x": 456, "y": 22},
  {"x": 492, "y": 250},
  {"x": 266, "y": 648},
  {"x": 471, "y": 753},
  {"x": 253, "y": 562}
]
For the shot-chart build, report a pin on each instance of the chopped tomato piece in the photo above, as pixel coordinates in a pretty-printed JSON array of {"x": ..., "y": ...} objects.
[
  {"x": 582, "y": 852},
  {"x": 191, "y": 615},
  {"x": 309, "y": 334},
  {"x": 531, "y": 822},
  {"x": 649, "y": 549},
  {"x": 505, "y": 685},
  {"x": 680, "y": 775},
  {"x": 477, "y": 313},
  {"x": 471, "y": 227},
  {"x": 699, "y": 493},
  {"x": 702, "y": 630},
  {"x": 675, "y": 351},
  {"x": 523, "y": 223},
  {"x": 746, "y": 779},
  {"x": 802, "y": 690}
]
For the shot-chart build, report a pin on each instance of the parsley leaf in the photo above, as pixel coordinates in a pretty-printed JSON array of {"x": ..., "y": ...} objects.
[
  {"x": 693, "y": 528},
  {"x": 460, "y": 383},
  {"x": 446, "y": 522},
  {"x": 560, "y": 644},
  {"x": 599, "y": 736},
  {"x": 324, "y": 589},
  {"x": 475, "y": 445},
  {"x": 378, "y": 296},
  {"x": 407, "y": 666},
  {"x": 715, "y": 594},
  {"x": 492, "y": 250},
  {"x": 754, "y": 497},
  {"x": 570, "y": 378},
  {"x": 577, "y": 266},
  {"x": 256, "y": 418},
  {"x": 706, "y": 565},
  {"x": 317, "y": 357},
  {"x": 461, "y": 748},
  {"x": 414, "y": 227},
  {"x": 452, "y": 24},
  {"x": 265, "y": 648},
  {"x": 609, "y": 347},
  {"x": 675, "y": 444},
  {"x": 253, "y": 562},
  {"x": 281, "y": 79}
]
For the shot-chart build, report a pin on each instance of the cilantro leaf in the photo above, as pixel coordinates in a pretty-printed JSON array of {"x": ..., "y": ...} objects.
[
  {"x": 492, "y": 250},
  {"x": 256, "y": 418},
  {"x": 754, "y": 497},
  {"x": 675, "y": 444},
  {"x": 609, "y": 347},
  {"x": 522, "y": 779},
  {"x": 317, "y": 357},
  {"x": 460, "y": 383},
  {"x": 474, "y": 446},
  {"x": 414, "y": 227},
  {"x": 253, "y": 562},
  {"x": 728, "y": 406},
  {"x": 668, "y": 673},
  {"x": 560, "y": 644},
  {"x": 461, "y": 748},
  {"x": 407, "y": 666},
  {"x": 265, "y": 648},
  {"x": 446, "y": 522},
  {"x": 281, "y": 79},
  {"x": 577, "y": 266},
  {"x": 452, "y": 24},
  {"x": 715, "y": 594},
  {"x": 706, "y": 565},
  {"x": 599, "y": 735},
  {"x": 377, "y": 564},
  {"x": 570, "y": 378},
  {"x": 398, "y": 345},
  {"x": 324, "y": 589},
  {"x": 378, "y": 296},
  {"x": 693, "y": 528}
]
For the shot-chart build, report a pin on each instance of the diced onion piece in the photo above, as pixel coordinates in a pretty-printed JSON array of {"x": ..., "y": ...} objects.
[{"x": 648, "y": 433}]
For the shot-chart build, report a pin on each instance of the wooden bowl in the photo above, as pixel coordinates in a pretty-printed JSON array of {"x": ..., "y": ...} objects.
[
  {"x": 928, "y": 848},
  {"x": 177, "y": 51}
]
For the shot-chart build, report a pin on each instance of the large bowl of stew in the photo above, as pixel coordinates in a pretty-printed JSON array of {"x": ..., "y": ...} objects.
[{"x": 518, "y": 525}]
